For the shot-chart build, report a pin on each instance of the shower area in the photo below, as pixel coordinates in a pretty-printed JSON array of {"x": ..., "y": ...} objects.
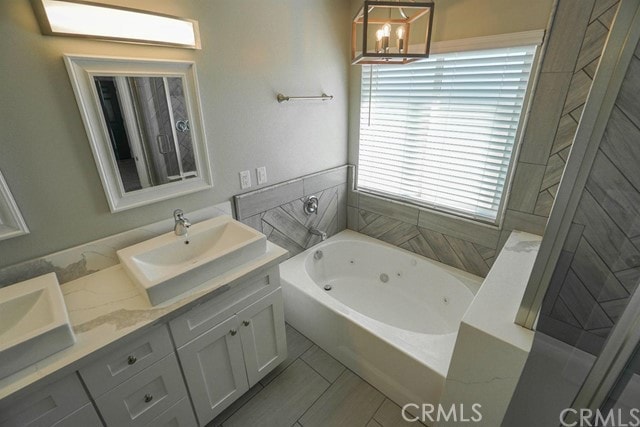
[
  {"x": 149, "y": 130},
  {"x": 584, "y": 365}
]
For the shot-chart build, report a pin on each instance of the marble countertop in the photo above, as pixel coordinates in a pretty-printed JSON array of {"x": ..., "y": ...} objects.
[
  {"x": 496, "y": 304},
  {"x": 106, "y": 306}
]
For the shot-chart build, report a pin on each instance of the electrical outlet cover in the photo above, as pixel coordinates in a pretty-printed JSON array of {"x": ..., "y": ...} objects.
[
  {"x": 261, "y": 173},
  {"x": 245, "y": 179}
]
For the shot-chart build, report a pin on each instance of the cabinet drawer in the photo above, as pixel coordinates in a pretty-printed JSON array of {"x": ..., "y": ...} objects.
[
  {"x": 210, "y": 313},
  {"x": 46, "y": 405},
  {"x": 179, "y": 415},
  {"x": 127, "y": 360},
  {"x": 140, "y": 399},
  {"x": 85, "y": 417}
]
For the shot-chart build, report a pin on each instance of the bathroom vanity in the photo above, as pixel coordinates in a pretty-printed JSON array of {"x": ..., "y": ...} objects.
[{"x": 179, "y": 363}]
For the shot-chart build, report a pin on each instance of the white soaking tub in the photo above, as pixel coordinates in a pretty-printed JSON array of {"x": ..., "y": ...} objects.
[{"x": 388, "y": 314}]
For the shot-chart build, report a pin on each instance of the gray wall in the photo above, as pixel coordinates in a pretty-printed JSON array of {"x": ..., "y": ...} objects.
[{"x": 251, "y": 50}]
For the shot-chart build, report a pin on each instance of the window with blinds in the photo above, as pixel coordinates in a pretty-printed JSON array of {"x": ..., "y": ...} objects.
[{"x": 440, "y": 132}]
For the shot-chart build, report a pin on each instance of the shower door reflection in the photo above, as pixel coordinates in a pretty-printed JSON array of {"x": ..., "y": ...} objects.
[{"x": 148, "y": 126}]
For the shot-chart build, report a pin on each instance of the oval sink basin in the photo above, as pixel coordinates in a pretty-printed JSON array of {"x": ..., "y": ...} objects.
[
  {"x": 168, "y": 265},
  {"x": 34, "y": 323}
]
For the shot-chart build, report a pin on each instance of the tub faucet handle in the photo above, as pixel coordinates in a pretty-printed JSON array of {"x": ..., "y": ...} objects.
[{"x": 311, "y": 205}]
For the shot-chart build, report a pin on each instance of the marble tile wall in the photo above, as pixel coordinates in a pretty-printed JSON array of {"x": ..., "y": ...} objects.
[
  {"x": 573, "y": 50},
  {"x": 453, "y": 241},
  {"x": 599, "y": 267},
  {"x": 277, "y": 211},
  {"x": 73, "y": 263}
]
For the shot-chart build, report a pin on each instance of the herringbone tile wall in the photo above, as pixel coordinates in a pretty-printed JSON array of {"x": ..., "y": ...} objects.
[
  {"x": 600, "y": 263},
  {"x": 277, "y": 211},
  {"x": 595, "y": 36}
]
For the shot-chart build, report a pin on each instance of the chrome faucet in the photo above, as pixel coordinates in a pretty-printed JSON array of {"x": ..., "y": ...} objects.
[
  {"x": 182, "y": 224},
  {"x": 316, "y": 232}
]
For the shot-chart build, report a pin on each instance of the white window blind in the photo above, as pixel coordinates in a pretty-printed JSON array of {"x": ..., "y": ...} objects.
[{"x": 440, "y": 132}]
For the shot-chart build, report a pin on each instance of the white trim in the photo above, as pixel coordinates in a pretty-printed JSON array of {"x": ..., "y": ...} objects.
[
  {"x": 81, "y": 70},
  {"x": 524, "y": 38},
  {"x": 12, "y": 223}
]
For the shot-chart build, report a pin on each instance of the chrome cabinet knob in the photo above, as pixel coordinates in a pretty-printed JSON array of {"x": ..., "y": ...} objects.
[
  {"x": 148, "y": 398},
  {"x": 246, "y": 322},
  {"x": 131, "y": 360},
  {"x": 233, "y": 332}
]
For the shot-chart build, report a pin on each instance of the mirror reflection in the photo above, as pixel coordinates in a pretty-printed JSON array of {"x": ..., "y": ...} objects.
[{"x": 149, "y": 130}]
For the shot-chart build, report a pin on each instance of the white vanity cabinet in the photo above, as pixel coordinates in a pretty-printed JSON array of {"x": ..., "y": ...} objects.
[
  {"x": 60, "y": 403},
  {"x": 224, "y": 362},
  {"x": 202, "y": 357}
]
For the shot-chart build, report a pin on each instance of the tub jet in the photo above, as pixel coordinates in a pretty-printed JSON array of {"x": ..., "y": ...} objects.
[{"x": 327, "y": 287}]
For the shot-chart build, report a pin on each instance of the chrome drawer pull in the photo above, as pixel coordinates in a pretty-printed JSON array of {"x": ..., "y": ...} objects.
[
  {"x": 131, "y": 360},
  {"x": 246, "y": 322},
  {"x": 233, "y": 332},
  {"x": 148, "y": 398}
]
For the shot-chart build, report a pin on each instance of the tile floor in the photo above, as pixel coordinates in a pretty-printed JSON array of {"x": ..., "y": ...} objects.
[{"x": 309, "y": 389}]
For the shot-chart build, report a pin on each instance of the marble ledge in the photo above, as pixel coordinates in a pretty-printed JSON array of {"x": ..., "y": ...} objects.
[
  {"x": 494, "y": 308},
  {"x": 106, "y": 306}
]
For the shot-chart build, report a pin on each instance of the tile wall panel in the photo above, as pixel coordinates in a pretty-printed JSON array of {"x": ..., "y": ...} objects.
[{"x": 277, "y": 211}]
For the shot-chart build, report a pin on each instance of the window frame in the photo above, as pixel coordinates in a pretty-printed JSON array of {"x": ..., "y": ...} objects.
[{"x": 533, "y": 37}]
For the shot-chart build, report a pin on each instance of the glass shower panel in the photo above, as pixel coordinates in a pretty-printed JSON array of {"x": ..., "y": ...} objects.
[
  {"x": 624, "y": 400},
  {"x": 158, "y": 141}
]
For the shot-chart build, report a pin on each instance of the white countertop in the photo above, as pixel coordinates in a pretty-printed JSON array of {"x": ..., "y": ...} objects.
[{"x": 106, "y": 306}]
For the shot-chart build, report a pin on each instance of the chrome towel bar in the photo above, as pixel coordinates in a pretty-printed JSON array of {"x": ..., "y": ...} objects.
[{"x": 324, "y": 97}]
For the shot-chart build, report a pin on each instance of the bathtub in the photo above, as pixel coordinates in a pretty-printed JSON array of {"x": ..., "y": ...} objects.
[{"x": 389, "y": 315}]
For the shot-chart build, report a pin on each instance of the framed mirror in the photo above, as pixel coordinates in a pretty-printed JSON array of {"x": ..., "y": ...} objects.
[
  {"x": 11, "y": 222},
  {"x": 144, "y": 123}
]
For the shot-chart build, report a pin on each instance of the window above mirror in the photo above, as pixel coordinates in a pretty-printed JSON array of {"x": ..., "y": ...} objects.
[{"x": 144, "y": 123}]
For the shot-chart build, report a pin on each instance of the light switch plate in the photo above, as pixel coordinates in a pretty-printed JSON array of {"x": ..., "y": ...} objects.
[
  {"x": 245, "y": 179},
  {"x": 261, "y": 173}
]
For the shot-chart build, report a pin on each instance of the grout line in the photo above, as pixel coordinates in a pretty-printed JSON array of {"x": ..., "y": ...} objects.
[
  {"x": 373, "y": 417},
  {"x": 237, "y": 409},
  {"x": 318, "y": 372},
  {"x": 299, "y": 420}
]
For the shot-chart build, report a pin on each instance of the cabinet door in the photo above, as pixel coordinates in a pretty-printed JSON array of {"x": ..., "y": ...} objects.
[
  {"x": 263, "y": 336},
  {"x": 214, "y": 369}
]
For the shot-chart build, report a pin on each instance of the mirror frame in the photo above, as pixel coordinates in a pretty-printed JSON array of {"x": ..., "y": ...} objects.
[
  {"x": 82, "y": 69},
  {"x": 12, "y": 223}
]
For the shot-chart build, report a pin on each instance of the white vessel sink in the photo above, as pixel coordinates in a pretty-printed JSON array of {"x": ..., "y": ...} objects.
[
  {"x": 34, "y": 323},
  {"x": 168, "y": 265}
]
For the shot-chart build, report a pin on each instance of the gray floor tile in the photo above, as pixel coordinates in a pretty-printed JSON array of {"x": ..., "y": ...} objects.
[
  {"x": 283, "y": 401},
  {"x": 389, "y": 415},
  {"x": 217, "y": 421},
  {"x": 323, "y": 363},
  {"x": 349, "y": 402},
  {"x": 297, "y": 344}
]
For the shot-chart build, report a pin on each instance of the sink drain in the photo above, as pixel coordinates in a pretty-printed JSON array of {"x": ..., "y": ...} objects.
[{"x": 327, "y": 287}]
